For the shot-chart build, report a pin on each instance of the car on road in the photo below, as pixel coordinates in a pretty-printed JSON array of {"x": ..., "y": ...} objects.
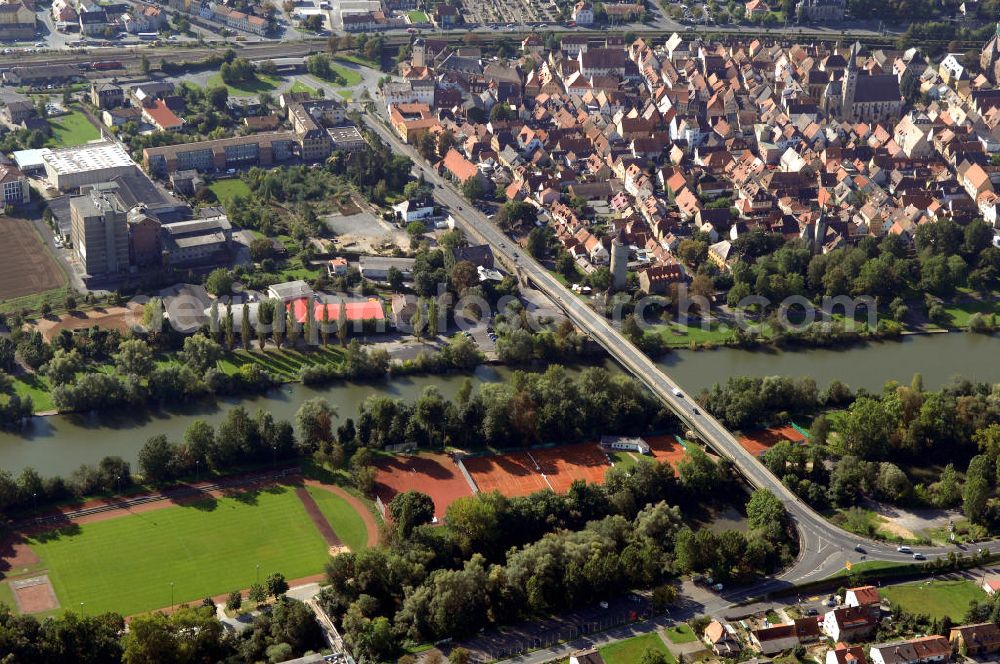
[
  {"x": 677, "y": 393},
  {"x": 694, "y": 410},
  {"x": 812, "y": 611},
  {"x": 919, "y": 556},
  {"x": 904, "y": 549},
  {"x": 717, "y": 587},
  {"x": 859, "y": 547}
]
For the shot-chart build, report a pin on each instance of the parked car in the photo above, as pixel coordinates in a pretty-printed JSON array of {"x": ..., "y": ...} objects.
[{"x": 904, "y": 549}]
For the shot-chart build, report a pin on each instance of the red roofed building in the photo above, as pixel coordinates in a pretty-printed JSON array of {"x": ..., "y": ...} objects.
[
  {"x": 161, "y": 117},
  {"x": 355, "y": 311},
  {"x": 844, "y": 654},
  {"x": 862, "y": 596},
  {"x": 458, "y": 167}
]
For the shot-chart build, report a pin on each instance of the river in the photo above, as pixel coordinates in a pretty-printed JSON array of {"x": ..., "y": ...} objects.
[
  {"x": 938, "y": 357},
  {"x": 57, "y": 445}
]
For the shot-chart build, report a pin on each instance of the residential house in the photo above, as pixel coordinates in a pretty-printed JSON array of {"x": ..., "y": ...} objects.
[
  {"x": 106, "y": 95},
  {"x": 721, "y": 638},
  {"x": 658, "y": 278},
  {"x": 976, "y": 640},
  {"x": 922, "y": 650},
  {"x": 862, "y": 596},
  {"x": 445, "y": 16},
  {"x": 756, "y": 8},
  {"x": 158, "y": 114},
  {"x": 583, "y": 13},
  {"x": 414, "y": 210},
  {"x": 848, "y": 623},
  {"x": 17, "y": 21},
  {"x": 586, "y": 657},
  {"x": 845, "y": 654},
  {"x": 14, "y": 185},
  {"x": 778, "y": 638}
]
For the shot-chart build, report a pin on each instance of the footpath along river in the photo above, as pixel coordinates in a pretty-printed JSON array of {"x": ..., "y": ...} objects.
[{"x": 59, "y": 444}]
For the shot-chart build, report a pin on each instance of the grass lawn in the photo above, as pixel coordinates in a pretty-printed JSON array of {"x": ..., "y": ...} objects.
[
  {"x": 935, "y": 599},
  {"x": 342, "y": 517},
  {"x": 227, "y": 188},
  {"x": 624, "y": 459},
  {"x": 55, "y": 298},
  {"x": 359, "y": 60},
  {"x": 212, "y": 547},
  {"x": 37, "y": 387},
  {"x": 345, "y": 94},
  {"x": 299, "y": 86},
  {"x": 262, "y": 83},
  {"x": 631, "y": 650},
  {"x": 870, "y": 566},
  {"x": 862, "y": 522},
  {"x": 417, "y": 16},
  {"x": 6, "y": 594},
  {"x": 71, "y": 129},
  {"x": 285, "y": 363},
  {"x": 961, "y": 312},
  {"x": 681, "y": 634},
  {"x": 677, "y": 335}
]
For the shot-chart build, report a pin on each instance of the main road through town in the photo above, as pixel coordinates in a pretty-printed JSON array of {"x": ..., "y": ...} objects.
[{"x": 824, "y": 547}]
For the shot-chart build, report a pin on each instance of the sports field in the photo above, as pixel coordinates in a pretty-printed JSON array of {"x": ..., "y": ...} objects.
[
  {"x": 524, "y": 472},
  {"x": 666, "y": 449},
  {"x": 434, "y": 474},
  {"x": 128, "y": 564},
  {"x": 761, "y": 440},
  {"x": 344, "y": 519},
  {"x": 511, "y": 474}
]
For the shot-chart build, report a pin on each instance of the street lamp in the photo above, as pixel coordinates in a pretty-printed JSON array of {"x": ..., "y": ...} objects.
[
  {"x": 171, "y": 595},
  {"x": 274, "y": 455},
  {"x": 197, "y": 467},
  {"x": 81, "y": 608},
  {"x": 258, "y": 572}
]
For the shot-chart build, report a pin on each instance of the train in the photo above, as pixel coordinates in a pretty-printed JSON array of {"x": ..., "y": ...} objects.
[{"x": 102, "y": 65}]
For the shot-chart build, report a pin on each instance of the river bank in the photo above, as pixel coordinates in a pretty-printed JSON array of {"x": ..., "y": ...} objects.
[{"x": 58, "y": 444}]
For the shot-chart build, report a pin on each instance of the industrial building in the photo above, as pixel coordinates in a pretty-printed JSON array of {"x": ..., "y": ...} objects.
[{"x": 69, "y": 169}]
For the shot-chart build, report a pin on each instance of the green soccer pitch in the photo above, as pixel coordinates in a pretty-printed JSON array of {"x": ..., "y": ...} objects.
[{"x": 128, "y": 564}]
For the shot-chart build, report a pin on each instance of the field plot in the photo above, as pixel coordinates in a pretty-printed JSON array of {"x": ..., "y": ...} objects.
[
  {"x": 132, "y": 563},
  {"x": 434, "y": 474},
  {"x": 760, "y": 441},
  {"x": 72, "y": 129},
  {"x": 511, "y": 474},
  {"x": 935, "y": 599},
  {"x": 106, "y": 318},
  {"x": 666, "y": 449},
  {"x": 26, "y": 266}
]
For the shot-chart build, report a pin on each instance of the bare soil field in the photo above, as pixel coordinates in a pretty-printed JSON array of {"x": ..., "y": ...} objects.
[{"x": 26, "y": 265}]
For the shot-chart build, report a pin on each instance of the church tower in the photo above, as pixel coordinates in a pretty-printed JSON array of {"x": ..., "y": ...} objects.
[
  {"x": 619, "y": 262},
  {"x": 850, "y": 85},
  {"x": 419, "y": 55}
]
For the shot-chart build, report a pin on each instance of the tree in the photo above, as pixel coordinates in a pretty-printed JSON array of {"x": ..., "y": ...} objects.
[
  {"x": 765, "y": 511},
  {"x": 257, "y": 593},
  {"x": 537, "y": 242},
  {"x": 200, "y": 353},
  {"x": 409, "y": 510},
  {"x": 219, "y": 282},
  {"x": 868, "y": 428},
  {"x": 276, "y": 585},
  {"x": 156, "y": 460},
  {"x": 459, "y": 655},
  {"x": 245, "y": 326},
  {"x": 474, "y": 189},
  {"x": 234, "y": 601},
  {"x": 395, "y": 278},
  {"x": 144, "y": 65},
  {"x": 63, "y": 366},
  {"x": 315, "y": 422},
  {"x": 464, "y": 275},
  {"x": 134, "y": 357},
  {"x": 653, "y": 657},
  {"x": 976, "y": 491}
]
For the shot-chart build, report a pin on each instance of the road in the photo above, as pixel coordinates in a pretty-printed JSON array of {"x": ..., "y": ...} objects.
[{"x": 824, "y": 547}]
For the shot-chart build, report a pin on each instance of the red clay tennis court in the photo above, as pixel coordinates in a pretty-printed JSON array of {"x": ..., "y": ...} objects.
[
  {"x": 760, "y": 441},
  {"x": 666, "y": 449},
  {"x": 582, "y": 461},
  {"x": 511, "y": 474},
  {"x": 434, "y": 474},
  {"x": 522, "y": 473}
]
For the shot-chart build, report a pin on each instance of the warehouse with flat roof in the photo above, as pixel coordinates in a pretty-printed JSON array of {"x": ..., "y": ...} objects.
[{"x": 69, "y": 169}]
